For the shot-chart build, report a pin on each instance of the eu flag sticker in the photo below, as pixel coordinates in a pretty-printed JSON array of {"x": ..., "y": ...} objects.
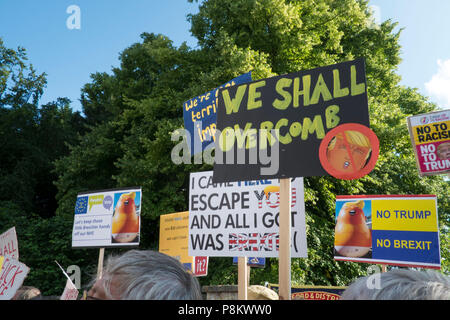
[{"x": 81, "y": 205}]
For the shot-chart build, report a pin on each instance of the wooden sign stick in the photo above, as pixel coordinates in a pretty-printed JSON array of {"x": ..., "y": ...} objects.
[
  {"x": 100, "y": 263},
  {"x": 242, "y": 278},
  {"x": 284, "y": 260}
]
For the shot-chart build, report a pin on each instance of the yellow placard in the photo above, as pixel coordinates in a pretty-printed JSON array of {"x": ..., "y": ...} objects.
[
  {"x": 431, "y": 132},
  {"x": 404, "y": 215},
  {"x": 1, "y": 261},
  {"x": 173, "y": 236}
]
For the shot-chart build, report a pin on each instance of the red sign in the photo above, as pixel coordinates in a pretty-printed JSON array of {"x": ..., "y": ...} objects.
[{"x": 201, "y": 266}]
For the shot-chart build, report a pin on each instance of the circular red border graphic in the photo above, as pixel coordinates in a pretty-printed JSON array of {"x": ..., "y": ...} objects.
[{"x": 373, "y": 139}]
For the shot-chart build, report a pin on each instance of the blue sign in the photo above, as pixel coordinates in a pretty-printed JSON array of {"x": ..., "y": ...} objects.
[
  {"x": 200, "y": 115},
  {"x": 388, "y": 229},
  {"x": 253, "y": 262},
  {"x": 81, "y": 205}
]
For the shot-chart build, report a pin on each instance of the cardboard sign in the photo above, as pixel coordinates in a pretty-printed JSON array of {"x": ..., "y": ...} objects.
[
  {"x": 8, "y": 244},
  {"x": 241, "y": 218},
  {"x": 272, "y": 128},
  {"x": 393, "y": 229},
  {"x": 173, "y": 241},
  {"x": 107, "y": 218},
  {"x": 200, "y": 114},
  {"x": 12, "y": 275},
  {"x": 70, "y": 290},
  {"x": 430, "y": 138}
]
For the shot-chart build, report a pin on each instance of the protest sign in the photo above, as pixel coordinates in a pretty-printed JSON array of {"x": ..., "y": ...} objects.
[
  {"x": 70, "y": 290},
  {"x": 313, "y": 292},
  {"x": 200, "y": 266},
  {"x": 200, "y": 114},
  {"x": 12, "y": 275},
  {"x": 241, "y": 218},
  {"x": 173, "y": 241},
  {"x": 301, "y": 107},
  {"x": 430, "y": 138},
  {"x": 254, "y": 262},
  {"x": 107, "y": 218},
  {"x": 392, "y": 229},
  {"x": 8, "y": 244}
]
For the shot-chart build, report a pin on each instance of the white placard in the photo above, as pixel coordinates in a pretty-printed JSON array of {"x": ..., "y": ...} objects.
[
  {"x": 95, "y": 224},
  {"x": 8, "y": 244},
  {"x": 241, "y": 218},
  {"x": 12, "y": 275}
]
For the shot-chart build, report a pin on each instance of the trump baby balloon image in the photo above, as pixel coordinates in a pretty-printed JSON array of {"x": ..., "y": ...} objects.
[{"x": 353, "y": 237}]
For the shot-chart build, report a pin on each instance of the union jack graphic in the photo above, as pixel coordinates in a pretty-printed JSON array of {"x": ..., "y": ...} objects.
[{"x": 253, "y": 241}]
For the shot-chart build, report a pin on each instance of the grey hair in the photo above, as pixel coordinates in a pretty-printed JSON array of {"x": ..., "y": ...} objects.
[
  {"x": 401, "y": 284},
  {"x": 149, "y": 275}
]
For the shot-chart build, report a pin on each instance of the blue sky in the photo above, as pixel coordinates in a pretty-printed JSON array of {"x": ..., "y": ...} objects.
[
  {"x": 108, "y": 27},
  {"x": 425, "y": 41}
]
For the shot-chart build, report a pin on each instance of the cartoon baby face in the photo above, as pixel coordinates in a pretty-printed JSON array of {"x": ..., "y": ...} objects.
[{"x": 346, "y": 156}]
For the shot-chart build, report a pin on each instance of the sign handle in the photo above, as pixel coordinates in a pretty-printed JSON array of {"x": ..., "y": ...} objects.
[
  {"x": 284, "y": 262},
  {"x": 243, "y": 277},
  {"x": 100, "y": 263}
]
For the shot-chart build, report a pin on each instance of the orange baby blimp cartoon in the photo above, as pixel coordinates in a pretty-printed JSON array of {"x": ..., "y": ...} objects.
[
  {"x": 125, "y": 221},
  {"x": 353, "y": 238}
]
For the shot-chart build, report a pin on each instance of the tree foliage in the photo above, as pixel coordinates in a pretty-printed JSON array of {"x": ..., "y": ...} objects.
[
  {"x": 32, "y": 137},
  {"x": 131, "y": 113}
]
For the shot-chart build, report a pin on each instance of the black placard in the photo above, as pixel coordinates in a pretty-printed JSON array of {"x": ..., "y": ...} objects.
[{"x": 303, "y": 106}]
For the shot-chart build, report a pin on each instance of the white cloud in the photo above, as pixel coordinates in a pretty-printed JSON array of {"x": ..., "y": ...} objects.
[{"x": 439, "y": 85}]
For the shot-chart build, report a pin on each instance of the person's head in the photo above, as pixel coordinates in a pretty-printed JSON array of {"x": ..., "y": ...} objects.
[
  {"x": 145, "y": 275},
  {"x": 400, "y": 284},
  {"x": 27, "y": 293},
  {"x": 257, "y": 292},
  {"x": 443, "y": 151},
  {"x": 348, "y": 152}
]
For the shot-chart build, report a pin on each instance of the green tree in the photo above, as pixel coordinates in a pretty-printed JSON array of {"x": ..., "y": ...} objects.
[
  {"x": 31, "y": 138},
  {"x": 295, "y": 35}
]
